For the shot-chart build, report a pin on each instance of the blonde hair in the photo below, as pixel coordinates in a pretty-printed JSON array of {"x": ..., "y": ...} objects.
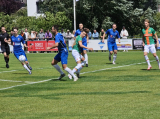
[{"x": 146, "y": 20}]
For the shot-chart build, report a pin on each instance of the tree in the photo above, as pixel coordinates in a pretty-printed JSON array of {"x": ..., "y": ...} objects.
[{"x": 9, "y": 6}]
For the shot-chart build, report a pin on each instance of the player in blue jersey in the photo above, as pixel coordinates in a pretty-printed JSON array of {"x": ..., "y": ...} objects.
[
  {"x": 85, "y": 40},
  {"x": 16, "y": 41},
  {"x": 62, "y": 54},
  {"x": 112, "y": 46}
]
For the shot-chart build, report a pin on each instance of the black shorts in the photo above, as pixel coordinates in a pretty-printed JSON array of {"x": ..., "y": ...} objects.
[{"x": 5, "y": 49}]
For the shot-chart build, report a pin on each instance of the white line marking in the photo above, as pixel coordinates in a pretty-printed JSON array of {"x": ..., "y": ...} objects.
[
  {"x": 9, "y": 80},
  {"x": 30, "y": 83}
]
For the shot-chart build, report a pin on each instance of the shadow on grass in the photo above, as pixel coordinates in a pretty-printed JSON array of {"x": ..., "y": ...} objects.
[
  {"x": 150, "y": 69},
  {"x": 3, "y": 67}
]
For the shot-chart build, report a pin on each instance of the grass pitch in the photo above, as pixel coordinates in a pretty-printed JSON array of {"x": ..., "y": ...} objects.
[{"x": 104, "y": 91}]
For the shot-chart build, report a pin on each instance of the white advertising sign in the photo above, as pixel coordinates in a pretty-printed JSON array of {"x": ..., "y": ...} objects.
[
  {"x": 125, "y": 44},
  {"x": 95, "y": 44}
]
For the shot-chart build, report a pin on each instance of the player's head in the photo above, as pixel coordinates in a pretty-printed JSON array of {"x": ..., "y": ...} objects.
[
  {"x": 84, "y": 32},
  {"x": 15, "y": 31},
  {"x": 146, "y": 23},
  {"x": 54, "y": 29},
  {"x": 114, "y": 26},
  {"x": 3, "y": 29},
  {"x": 80, "y": 26}
]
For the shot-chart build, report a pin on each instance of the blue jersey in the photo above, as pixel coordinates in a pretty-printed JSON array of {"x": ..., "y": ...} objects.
[
  {"x": 61, "y": 43},
  {"x": 16, "y": 41},
  {"x": 77, "y": 33},
  {"x": 112, "y": 35}
]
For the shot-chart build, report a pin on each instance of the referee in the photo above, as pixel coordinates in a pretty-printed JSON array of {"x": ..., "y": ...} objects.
[{"x": 4, "y": 36}]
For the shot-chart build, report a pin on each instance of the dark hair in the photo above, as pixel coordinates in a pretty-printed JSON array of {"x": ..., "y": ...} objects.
[
  {"x": 114, "y": 24},
  {"x": 80, "y": 23},
  {"x": 86, "y": 30},
  {"x": 55, "y": 27},
  {"x": 15, "y": 28}
]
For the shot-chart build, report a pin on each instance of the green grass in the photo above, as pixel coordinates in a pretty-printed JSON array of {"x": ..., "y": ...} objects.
[{"x": 129, "y": 92}]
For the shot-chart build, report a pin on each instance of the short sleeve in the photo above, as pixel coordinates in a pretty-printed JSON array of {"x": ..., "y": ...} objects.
[
  {"x": 118, "y": 36},
  {"x": 107, "y": 32},
  {"x": 75, "y": 34},
  {"x": 153, "y": 31},
  {"x": 79, "y": 39},
  {"x": 57, "y": 40}
]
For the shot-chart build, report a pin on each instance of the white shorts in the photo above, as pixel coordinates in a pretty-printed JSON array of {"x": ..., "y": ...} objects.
[
  {"x": 150, "y": 48},
  {"x": 76, "y": 55}
]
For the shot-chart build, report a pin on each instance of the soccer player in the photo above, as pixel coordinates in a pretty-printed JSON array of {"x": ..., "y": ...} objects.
[
  {"x": 112, "y": 46},
  {"x": 16, "y": 41},
  {"x": 4, "y": 46},
  {"x": 77, "y": 50},
  {"x": 62, "y": 54},
  {"x": 148, "y": 43},
  {"x": 85, "y": 40}
]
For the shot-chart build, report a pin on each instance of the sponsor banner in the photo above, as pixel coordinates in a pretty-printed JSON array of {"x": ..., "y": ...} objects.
[
  {"x": 96, "y": 44},
  {"x": 125, "y": 44},
  {"x": 137, "y": 44},
  {"x": 159, "y": 43},
  {"x": 40, "y": 45}
]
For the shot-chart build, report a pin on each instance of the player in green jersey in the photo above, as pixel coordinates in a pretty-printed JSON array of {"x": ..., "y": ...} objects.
[{"x": 148, "y": 43}]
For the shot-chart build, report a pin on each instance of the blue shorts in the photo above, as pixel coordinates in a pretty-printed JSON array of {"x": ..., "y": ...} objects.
[
  {"x": 85, "y": 44},
  {"x": 112, "y": 46},
  {"x": 18, "y": 53},
  {"x": 62, "y": 56}
]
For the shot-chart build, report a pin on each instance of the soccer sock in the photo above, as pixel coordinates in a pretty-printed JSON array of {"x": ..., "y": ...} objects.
[
  {"x": 157, "y": 59},
  {"x": 114, "y": 57},
  {"x": 6, "y": 60},
  {"x": 58, "y": 69},
  {"x": 83, "y": 63},
  {"x": 70, "y": 72},
  {"x": 86, "y": 58},
  {"x": 109, "y": 54},
  {"x": 25, "y": 66},
  {"x": 147, "y": 60},
  {"x": 77, "y": 68}
]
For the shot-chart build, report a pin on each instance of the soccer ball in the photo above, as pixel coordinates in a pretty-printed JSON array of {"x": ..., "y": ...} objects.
[{"x": 22, "y": 58}]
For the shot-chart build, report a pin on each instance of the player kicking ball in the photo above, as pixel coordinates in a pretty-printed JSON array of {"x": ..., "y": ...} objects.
[
  {"x": 112, "y": 46},
  {"x": 19, "y": 53},
  {"x": 85, "y": 40},
  {"x": 76, "y": 52},
  {"x": 62, "y": 54},
  {"x": 148, "y": 43}
]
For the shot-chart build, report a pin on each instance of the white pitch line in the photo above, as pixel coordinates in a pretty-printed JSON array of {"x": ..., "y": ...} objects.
[
  {"x": 10, "y": 80},
  {"x": 30, "y": 83}
]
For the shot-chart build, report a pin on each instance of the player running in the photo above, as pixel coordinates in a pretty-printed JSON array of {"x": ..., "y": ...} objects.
[
  {"x": 62, "y": 55},
  {"x": 148, "y": 43},
  {"x": 4, "y": 45},
  {"x": 112, "y": 46},
  {"x": 85, "y": 40},
  {"x": 16, "y": 41},
  {"x": 77, "y": 50}
]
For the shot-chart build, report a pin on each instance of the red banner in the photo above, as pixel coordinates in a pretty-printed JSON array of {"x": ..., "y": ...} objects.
[{"x": 40, "y": 45}]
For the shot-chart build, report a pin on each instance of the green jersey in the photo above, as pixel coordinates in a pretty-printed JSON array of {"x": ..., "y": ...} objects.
[
  {"x": 76, "y": 43},
  {"x": 148, "y": 35}
]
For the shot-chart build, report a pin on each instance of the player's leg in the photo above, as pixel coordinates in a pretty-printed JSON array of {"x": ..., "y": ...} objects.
[
  {"x": 26, "y": 62},
  {"x": 146, "y": 51},
  {"x": 115, "y": 53},
  {"x": 64, "y": 61},
  {"x": 153, "y": 51},
  {"x": 85, "y": 56},
  {"x": 110, "y": 50},
  {"x": 6, "y": 59},
  {"x": 54, "y": 63}
]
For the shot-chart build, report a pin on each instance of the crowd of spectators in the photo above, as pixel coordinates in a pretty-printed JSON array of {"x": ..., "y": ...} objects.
[{"x": 41, "y": 35}]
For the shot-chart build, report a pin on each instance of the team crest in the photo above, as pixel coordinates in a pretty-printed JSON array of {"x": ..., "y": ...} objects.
[{"x": 18, "y": 38}]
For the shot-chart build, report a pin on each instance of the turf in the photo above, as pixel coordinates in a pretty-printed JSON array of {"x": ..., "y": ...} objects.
[{"x": 127, "y": 92}]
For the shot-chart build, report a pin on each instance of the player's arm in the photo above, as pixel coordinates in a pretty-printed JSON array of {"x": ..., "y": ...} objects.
[
  {"x": 103, "y": 37},
  {"x": 156, "y": 39},
  {"x": 87, "y": 38},
  {"x": 119, "y": 40},
  {"x": 82, "y": 46},
  {"x": 54, "y": 46}
]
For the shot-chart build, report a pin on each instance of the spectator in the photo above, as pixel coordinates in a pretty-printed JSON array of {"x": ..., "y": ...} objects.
[
  {"x": 89, "y": 35},
  {"x": 102, "y": 33},
  {"x": 63, "y": 33},
  {"x": 23, "y": 35},
  {"x": 48, "y": 35},
  {"x": 33, "y": 35},
  {"x": 27, "y": 34},
  {"x": 12, "y": 33},
  {"x": 124, "y": 33},
  {"x": 72, "y": 35},
  {"x": 95, "y": 35},
  {"x": 41, "y": 35},
  {"x": 68, "y": 35}
]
